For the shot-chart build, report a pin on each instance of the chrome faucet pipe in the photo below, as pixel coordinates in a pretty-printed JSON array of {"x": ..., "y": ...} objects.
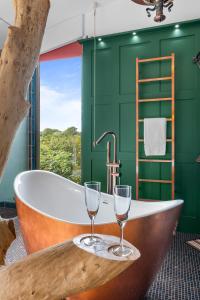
[
  {"x": 108, "y": 168},
  {"x": 112, "y": 166}
]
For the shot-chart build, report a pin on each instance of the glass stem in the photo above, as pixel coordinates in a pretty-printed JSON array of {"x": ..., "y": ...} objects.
[
  {"x": 92, "y": 228},
  {"x": 122, "y": 235}
]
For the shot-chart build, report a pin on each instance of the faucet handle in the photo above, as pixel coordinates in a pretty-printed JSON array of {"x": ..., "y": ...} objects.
[
  {"x": 115, "y": 174},
  {"x": 113, "y": 165}
]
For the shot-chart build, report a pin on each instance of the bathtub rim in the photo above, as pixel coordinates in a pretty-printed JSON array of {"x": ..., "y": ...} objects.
[{"x": 172, "y": 203}]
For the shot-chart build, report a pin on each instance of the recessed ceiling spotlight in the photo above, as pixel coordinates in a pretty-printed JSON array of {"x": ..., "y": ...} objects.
[
  {"x": 177, "y": 26},
  {"x": 134, "y": 33},
  {"x": 99, "y": 39}
]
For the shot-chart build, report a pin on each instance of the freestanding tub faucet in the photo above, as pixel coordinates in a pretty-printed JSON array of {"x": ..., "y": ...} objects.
[{"x": 112, "y": 166}]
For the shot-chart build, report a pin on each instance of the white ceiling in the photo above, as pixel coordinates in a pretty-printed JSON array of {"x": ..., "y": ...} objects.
[{"x": 70, "y": 20}]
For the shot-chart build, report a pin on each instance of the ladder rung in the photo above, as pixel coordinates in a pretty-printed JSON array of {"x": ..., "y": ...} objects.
[
  {"x": 168, "y": 120},
  {"x": 168, "y": 140},
  {"x": 155, "y": 100},
  {"x": 156, "y": 181},
  {"x": 154, "y": 59},
  {"x": 154, "y": 79},
  {"x": 155, "y": 160}
]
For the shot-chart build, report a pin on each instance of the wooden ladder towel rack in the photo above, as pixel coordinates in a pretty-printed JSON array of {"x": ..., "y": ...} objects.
[{"x": 171, "y": 120}]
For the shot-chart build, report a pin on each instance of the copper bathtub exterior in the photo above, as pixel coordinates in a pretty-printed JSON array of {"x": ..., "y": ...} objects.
[{"x": 152, "y": 235}]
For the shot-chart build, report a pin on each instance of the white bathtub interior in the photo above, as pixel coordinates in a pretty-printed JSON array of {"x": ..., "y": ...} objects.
[{"x": 62, "y": 199}]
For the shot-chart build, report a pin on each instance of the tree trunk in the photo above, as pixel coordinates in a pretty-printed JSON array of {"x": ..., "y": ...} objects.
[
  {"x": 61, "y": 271},
  {"x": 17, "y": 63}
]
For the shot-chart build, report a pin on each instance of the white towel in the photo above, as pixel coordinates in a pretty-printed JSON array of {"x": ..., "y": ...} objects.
[{"x": 155, "y": 132}]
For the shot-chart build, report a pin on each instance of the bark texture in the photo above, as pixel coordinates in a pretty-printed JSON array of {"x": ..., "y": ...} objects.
[
  {"x": 58, "y": 272},
  {"x": 18, "y": 59}
]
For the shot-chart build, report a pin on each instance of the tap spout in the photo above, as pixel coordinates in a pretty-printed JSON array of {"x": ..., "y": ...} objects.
[{"x": 98, "y": 141}]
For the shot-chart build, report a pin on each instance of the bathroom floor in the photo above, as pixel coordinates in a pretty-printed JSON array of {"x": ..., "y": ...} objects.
[
  {"x": 178, "y": 278},
  {"x": 6, "y": 212}
]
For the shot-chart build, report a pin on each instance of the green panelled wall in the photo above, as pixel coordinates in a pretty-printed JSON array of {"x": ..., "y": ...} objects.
[{"x": 115, "y": 110}]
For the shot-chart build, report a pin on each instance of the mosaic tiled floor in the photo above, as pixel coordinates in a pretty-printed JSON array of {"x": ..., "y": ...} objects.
[{"x": 178, "y": 279}]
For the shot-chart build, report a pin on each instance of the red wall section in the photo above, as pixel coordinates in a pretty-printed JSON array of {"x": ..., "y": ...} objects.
[{"x": 68, "y": 51}]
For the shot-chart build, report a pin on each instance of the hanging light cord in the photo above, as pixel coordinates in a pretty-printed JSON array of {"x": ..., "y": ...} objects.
[
  {"x": 94, "y": 86},
  {"x": 5, "y": 21}
]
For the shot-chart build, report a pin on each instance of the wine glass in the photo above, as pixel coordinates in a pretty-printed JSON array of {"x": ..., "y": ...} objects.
[
  {"x": 92, "y": 201},
  {"x": 122, "y": 203}
]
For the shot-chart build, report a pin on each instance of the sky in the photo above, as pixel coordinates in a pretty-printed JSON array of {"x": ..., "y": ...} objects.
[{"x": 60, "y": 94}]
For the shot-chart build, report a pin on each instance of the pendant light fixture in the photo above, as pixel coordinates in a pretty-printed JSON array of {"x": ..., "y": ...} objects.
[{"x": 158, "y": 6}]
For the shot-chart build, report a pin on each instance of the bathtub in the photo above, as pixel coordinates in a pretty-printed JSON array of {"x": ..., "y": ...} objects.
[{"x": 51, "y": 209}]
